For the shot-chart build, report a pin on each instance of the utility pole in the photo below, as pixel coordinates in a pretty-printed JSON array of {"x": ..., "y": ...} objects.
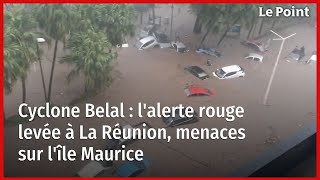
[
  {"x": 171, "y": 22},
  {"x": 276, "y": 64}
]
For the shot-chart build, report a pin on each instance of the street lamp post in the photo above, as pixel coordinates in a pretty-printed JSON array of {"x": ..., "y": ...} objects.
[
  {"x": 171, "y": 22},
  {"x": 275, "y": 66}
]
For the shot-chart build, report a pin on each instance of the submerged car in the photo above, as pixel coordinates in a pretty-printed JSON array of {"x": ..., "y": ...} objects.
[
  {"x": 257, "y": 46},
  {"x": 177, "y": 120},
  {"x": 209, "y": 51},
  {"x": 179, "y": 47},
  {"x": 228, "y": 72},
  {"x": 297, "y": 54},
  {"x": 198, "y": 72},
  {"x": 254, "y": 57},
  {"x": 162, "y": 39},
  {"x": 198, "y": 91},
  {"x": 132, "y": 168},
  {"x": 313, "y": 58},
  {"x": 146, "y": 43},
  {"x": 147, "y": 31}
]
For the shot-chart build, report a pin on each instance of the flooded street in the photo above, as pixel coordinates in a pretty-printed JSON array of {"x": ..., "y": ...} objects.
[{"x": 158, "y": 75}]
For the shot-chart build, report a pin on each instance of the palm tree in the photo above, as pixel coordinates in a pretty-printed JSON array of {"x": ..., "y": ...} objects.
[
  {"x": 56, "y": 21},
  {"x": 20, "y": 47},
  {"x": 116, "y": 20},
  {"x": 90, "y": 55}
]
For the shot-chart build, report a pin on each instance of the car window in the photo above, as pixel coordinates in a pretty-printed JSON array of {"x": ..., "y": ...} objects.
[
  {"x": 256, "y": 59},
  {"x": 230, "y": 74},
  {"x": 148, "y": 43}
]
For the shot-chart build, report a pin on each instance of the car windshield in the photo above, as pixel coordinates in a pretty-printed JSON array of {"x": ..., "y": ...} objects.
[
  {"x": 138, "y": 44},
  {"x": 220, "y": 73}
]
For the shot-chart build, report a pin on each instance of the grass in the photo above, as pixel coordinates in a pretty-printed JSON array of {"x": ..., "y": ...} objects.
[{"x": 14, "y": 120}]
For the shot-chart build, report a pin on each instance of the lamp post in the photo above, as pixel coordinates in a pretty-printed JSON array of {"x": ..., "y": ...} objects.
[
  {"x": 171, "y": 22},
  {"x": 276, "y": 64}
]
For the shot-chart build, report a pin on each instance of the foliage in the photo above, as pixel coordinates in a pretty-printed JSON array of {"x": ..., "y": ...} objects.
[
  {"x": 20, "y": 46},
  {"x": 90, "y": 55}
]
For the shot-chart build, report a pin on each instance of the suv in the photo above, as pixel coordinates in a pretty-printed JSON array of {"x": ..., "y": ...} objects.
[
  {"x": 178, "y": 120},
  {"x": 198, "y": 72},
  {"x": 229, "y": 72}
]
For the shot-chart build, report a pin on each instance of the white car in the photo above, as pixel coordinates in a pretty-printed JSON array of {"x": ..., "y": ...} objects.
[
  {"x": 147, "y": 42},
  {"x": 254, "y": 57},
  {"x": 313, "y": 58},
  {"x": 229, "y": 72},
  {"x": 179, "y": 47}
]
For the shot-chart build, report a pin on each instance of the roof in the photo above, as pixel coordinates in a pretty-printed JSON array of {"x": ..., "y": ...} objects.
[
  {"x": 146, "y": 39},
  {"x": 231, "y": 68},
  {"x": 193, "y": 90}
]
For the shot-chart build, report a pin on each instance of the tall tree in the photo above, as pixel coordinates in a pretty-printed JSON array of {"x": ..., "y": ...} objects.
[
  {"x": 116, "y": 20},
  {"x": 90, "y": 54},
  {"x": 56, "y": 21},
  {"x": 20, "y": 47}
]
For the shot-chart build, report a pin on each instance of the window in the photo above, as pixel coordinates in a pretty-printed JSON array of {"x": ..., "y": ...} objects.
[
  {"x": 230, "y": 74},
  {"x": 148, "y": 43}
]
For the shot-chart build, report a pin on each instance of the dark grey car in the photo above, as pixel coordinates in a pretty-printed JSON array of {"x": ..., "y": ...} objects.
[
  {"x": 198, "y": 72},
  {"x": 178, "y": 120}
]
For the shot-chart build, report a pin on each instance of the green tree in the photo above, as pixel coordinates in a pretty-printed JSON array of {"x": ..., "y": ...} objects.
[
  {"x": 56, "y": 21},
  {"x": 116, "y": 20},
  {"x": 20, "y": 47},
  {"x": 90, "y": 54}
]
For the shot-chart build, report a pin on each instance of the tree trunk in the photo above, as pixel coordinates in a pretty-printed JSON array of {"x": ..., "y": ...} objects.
[
  {"x": 197, "y": 26},
  {"x": 24, "y": 92},
  {"x": 251, "y": 28},
  {"x": 153, "y": 14},
  {"x": 141, "y": 15},
  {"x": 42, "y": 76},
  {"x": 234, "y": 22},
  {"x": 261, "y": 26},
  {"x": 52, "y": 69},
  {"x": 205, "y": 35}
]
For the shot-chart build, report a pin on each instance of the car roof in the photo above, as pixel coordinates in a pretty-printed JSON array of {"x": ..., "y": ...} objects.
[
  {"x": 256, "y": 55},
  {"x": 146, "y": 39},
  {"x": 197, "y": 68},
  {"x": 198, "y": 90},
  {"x": 231, "y": 68}
]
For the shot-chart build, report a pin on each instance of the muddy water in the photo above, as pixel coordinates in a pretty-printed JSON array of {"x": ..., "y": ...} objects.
[{"x": 157, "y": 75}]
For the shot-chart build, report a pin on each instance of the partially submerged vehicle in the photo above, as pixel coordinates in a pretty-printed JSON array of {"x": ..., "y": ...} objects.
[
  {"x": 256, "y": 46},
  {"x": 209, "y": 51},
  {"x": 229, "y": 72},
  {"x": 179, "y": 47},
  {"x": 177, "y": 120},
  {"x": 297, "y": 54},
  {"x": 132, "y": 168},
  {"x": 234, "y": 30},
  {"x": 254, "y": 57},
  {"x": 93, "y": 169},
  {"x": 198, "y": 91},
  {"x": 147, "y": 31},
  {"x": 313, "y": 58},
  {"x": 198, "y": 72},
  {"x": 162, "y": 39},
  {"x": 146, "y": 43}
]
